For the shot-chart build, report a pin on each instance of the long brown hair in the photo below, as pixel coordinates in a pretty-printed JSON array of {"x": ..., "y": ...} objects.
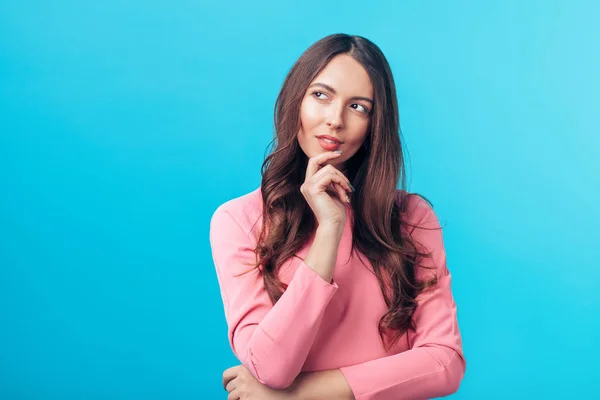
[{"x": 288, "y": 221}]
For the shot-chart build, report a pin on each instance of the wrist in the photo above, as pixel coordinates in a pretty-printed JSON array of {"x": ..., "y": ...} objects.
[
  {"x": 330, "y": 229},
  {"x": 290, "y": 393}
]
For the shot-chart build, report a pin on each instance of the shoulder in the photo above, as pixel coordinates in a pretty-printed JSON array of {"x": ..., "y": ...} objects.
[
  {"x": 244, "y": 210},
  {"x": 423, "y": 226},
  {"x": 417, "y": 210}
]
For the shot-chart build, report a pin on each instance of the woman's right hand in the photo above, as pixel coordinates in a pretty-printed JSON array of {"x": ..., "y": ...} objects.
[{"x": 324, "y": 189}]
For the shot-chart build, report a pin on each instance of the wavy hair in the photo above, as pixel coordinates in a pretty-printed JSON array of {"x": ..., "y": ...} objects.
[{"x": 378, "y": 207}]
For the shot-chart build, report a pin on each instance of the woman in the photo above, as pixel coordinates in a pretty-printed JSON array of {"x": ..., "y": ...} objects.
[{"x": 334, "y": 282}]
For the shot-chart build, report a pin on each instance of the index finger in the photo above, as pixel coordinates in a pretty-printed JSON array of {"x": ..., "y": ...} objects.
[
  {"x": 230, "y": 374},
  {"x": 315, "y": 162}
]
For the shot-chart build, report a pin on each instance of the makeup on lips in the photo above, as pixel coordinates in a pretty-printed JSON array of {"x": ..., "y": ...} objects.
[{"x": 328, "y": 143}]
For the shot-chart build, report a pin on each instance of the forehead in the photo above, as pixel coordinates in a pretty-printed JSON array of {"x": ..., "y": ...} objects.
[{"x": 346, "y": 76}]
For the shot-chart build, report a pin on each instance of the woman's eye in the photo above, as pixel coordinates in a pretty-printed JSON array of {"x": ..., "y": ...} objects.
[{"x": 364, "y": 109}]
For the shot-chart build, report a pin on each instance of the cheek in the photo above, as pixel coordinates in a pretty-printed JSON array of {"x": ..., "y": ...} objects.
[
  {"x": 359, "y": 134},
  {"x": 310, "y": 115},
  {"x": 356, "y": 146}
]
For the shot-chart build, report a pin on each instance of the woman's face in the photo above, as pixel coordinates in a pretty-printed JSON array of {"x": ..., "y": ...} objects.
[{"x": 337, "y": 103}]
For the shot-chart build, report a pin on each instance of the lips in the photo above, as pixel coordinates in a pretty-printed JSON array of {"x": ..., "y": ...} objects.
[
  {"x": 327, "y": 144},
  {"x": 330, "y": 139}
]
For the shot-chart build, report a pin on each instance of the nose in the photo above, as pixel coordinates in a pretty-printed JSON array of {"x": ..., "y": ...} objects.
[{"x": 334, "y": 117}]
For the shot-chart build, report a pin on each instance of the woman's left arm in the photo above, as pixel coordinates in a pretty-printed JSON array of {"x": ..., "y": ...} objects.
[{"x": 433, "y": 366}]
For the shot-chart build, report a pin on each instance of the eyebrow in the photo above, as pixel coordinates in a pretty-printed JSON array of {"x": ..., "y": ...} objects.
[{"x": 332, "y": 90}]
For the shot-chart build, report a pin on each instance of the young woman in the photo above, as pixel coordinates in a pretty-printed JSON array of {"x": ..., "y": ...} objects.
[{"x": 334, "y": 282}]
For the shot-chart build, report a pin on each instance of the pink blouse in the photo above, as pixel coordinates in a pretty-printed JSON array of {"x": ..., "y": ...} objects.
[{"x": 317, "y": 325}]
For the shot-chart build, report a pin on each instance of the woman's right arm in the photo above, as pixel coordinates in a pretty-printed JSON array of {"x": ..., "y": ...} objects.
[
  {"x": 323, "y": 252},
  {"x": 272, "y": 341}
]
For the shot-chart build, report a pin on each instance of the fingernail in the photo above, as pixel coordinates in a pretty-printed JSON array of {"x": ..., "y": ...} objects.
[
  {"x": 347, "y": 199},
  {"x": 351, "y": 187},
  {"x": 338, "y": 152}
]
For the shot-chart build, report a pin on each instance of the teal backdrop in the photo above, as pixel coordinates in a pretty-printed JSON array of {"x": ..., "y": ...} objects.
[{"x": 124, "y": 124}]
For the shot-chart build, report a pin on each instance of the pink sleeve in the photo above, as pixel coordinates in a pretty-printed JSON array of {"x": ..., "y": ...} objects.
[
  {"x": 434, "y": 365},
  {"x": 272, "y": 341}
]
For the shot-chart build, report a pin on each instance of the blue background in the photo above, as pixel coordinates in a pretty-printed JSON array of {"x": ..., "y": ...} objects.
[{"x": 125, "y": 124}]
